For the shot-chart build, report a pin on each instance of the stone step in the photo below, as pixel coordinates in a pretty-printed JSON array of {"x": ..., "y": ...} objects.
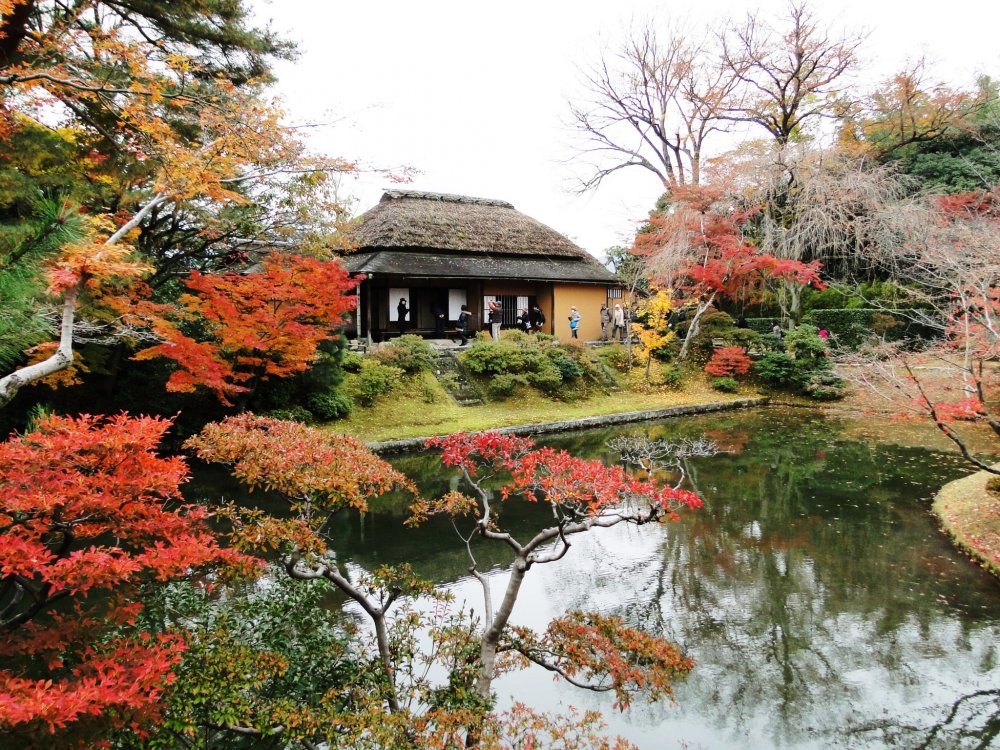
[{"x": 455, "y": 380}]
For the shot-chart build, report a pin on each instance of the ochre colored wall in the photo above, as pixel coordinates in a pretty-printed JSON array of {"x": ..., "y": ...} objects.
[{"x": 588, "y": 299}]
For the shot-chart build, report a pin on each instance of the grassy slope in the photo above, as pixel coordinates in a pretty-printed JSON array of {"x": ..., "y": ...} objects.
[
  {"x": 408, "y": 413},
  {"x": 970, "y": 514}
]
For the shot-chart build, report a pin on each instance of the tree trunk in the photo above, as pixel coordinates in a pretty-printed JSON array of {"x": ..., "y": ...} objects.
[
  {"x": 60, "y": 359},
  {"x": 692, "y": 330}
]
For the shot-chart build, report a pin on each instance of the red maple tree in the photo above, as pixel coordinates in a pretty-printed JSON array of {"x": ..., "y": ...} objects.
[
  {"x": 728, "y": 361},
  {"x": 258, "y": 325},
  {"x": 699, "y": 247},
  {"x": 88, "y": 513}
]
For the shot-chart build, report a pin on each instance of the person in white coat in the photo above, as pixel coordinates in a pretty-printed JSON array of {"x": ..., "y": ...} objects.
[{"x": 618, "y": 324}]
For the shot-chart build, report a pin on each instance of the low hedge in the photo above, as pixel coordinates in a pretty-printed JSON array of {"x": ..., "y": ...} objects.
[{"x": 849, "y": 327}]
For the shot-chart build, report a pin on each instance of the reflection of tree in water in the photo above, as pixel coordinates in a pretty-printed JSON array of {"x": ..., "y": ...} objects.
[
  {"x": 810, "y": 595},
  {"x": 820, "y": 603}
]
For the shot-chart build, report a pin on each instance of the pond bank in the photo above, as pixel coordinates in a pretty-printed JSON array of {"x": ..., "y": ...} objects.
[
  {"x": 970, "y": 514},
  {"x": 603, "y": 420}
]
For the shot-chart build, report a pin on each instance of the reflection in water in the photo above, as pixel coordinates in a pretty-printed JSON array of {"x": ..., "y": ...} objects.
[{"x": 818, "y": 600}]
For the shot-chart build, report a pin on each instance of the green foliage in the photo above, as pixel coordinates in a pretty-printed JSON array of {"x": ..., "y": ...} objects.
[
  {"x": 849, "y": 328},
  {"x": 672, "y": 376},
  {"x": 715, "y": 323},
  {"x": 725, "y": 384},
  {"x": 374, "y": 380},
  {"x": 258, "y": 653},
  {"x": 826, "y": 386},
  {"x": 549, "y": 380},
  {"x": 487, "y": 357},
  {"x": 763, "y": 326},
  {"x": 292, "y": 414},
  {"x": 805, "y": 344},
  {"x": 329, "y": 406},
  {"x": 519, "y": 359},
  {"x": 615, "y": 356},
  {"x": 502, "y": 387},
  {"x": 567, "y": 367},
  {"x": 351, "y": 361},
  {"x": 777, "y": 369},
  {"x": 24, "y": 248},
  {"x": 409, "y": 353}
]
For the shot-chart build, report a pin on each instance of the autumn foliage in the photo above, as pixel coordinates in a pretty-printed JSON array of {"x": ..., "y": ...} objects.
[
  {"x": 728, "y": 361},
  {"x": 259, "y": 325},
  {"x": 88, "y": 514}
]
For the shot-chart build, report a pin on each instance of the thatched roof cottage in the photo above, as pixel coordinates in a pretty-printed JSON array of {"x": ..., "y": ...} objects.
[{"x": 440, "y": 251}]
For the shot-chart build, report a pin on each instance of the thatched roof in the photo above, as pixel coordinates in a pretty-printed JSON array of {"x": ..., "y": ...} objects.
[
  {"x": 412, "y": 220},
  {"x": 458, "y": 266}
]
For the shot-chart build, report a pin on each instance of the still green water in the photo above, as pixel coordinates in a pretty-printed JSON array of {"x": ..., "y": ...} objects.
[{"x": 820, "y": 603}]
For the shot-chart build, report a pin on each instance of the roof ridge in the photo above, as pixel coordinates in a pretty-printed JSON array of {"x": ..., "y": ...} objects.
[{"x": 390, "y": 195}]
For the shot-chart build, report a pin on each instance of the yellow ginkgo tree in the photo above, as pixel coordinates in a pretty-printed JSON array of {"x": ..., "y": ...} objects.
[{"x": 654, "y": 331}]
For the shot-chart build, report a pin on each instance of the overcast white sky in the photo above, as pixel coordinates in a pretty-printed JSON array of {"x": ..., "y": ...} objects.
[{"x": 474, "y": 95}]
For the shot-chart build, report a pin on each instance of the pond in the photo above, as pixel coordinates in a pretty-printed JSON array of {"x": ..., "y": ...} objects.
[{"x": 820, "y": 603}]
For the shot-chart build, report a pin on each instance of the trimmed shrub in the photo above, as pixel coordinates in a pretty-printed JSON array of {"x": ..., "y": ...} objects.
[
  {"x": 374, "y": 380},
  {"x": 538, "y": 362},
  {"x": 805, "y": 344},
  {"x": 726, "y": 385},
  {"x": 568, "y": 368},
  {"x": 826, "y": 386},
  {"x": 502, "y": 387},
  {"x": 352, "y": 362},
  {"x": 488, "y": 357},
  {"x": 409, "y": 353},
  {"x": 329, "y": 406},
  {"x": 778, "y": 369},
  {"x": 849, "y": 327},
  {"x": 549, "y": 380}
]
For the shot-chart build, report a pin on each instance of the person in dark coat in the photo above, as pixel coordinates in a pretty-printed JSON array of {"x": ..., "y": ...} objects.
[
  {"x": 537, "y": 318},
  {"x": 438, "y": 312},
  {"x": 401, "y": 312},
  {"x": 463, "y": 324},
  {"x": 524, "y": 320}
]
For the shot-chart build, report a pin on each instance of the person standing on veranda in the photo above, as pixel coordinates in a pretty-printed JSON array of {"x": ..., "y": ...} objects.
[
  {"x": 537, "y": 318},
  {"x": 496, "y": 319},
  {"x": 401, "y": 312},
  {"x": 605, "y": 321},
  {"x": 463, "y": 324}
]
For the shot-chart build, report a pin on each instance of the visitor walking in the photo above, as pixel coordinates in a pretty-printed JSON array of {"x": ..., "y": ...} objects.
[
  {"x": 605, "y": 321},
  {"x": 627, "y": 317},
  {"x": 778, "y": 333},
  {"x": 463, "y": 324},
  {"x": 524, "y": 320},
  {"x": 496, "y": 319},
  {"x": 401, "y": 312},
  {"x": 618, "y": 323},
  {"x": 574, "y": 322}
]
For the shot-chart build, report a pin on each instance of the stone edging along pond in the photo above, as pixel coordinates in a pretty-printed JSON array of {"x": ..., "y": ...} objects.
[
  {"x": 604, "y": 420},
  {"x": 952, "y": 502}
]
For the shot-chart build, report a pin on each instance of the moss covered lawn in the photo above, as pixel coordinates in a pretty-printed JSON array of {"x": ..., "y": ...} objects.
[
  {"x": 970, "y": 514},
  {"x": 421, "y": 407}
]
